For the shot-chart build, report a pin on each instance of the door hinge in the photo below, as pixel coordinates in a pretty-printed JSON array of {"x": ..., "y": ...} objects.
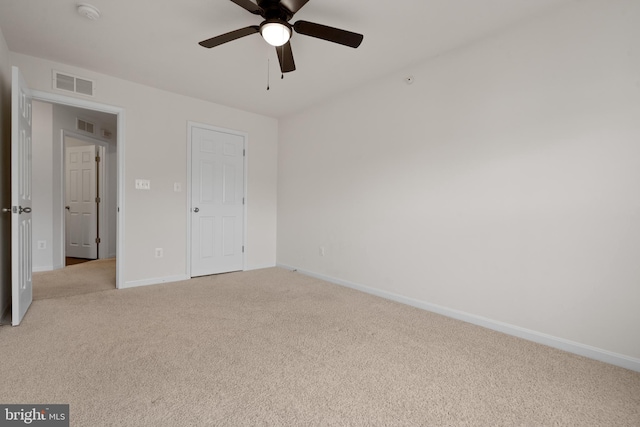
[
  {"x": 243, "y": 200},
  {"x": 97, "y": 159},
  {"x": 98, "y": 200},
  {"x": 244, "y": 152},
  {"x": 242, "y": 249},
  {"x": 97, "y": 240}
]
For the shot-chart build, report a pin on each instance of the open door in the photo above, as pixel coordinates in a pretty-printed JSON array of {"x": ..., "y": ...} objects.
[
  {"x": 21, "y": 255},
  {"x": 81, "y": 202}
]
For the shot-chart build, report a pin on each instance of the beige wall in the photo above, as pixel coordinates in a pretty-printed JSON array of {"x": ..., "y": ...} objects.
[
  {"x": 502, "y": 184},
  {"x": 156, "y": 149},
  {"x": 5, "y": 175},
  {"x": 43, "y": 185}
]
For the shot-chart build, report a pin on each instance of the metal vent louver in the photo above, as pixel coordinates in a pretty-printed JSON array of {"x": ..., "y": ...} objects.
[
  {"x": 71, "y": 83},
  {"x": 85, "y": 126},
  {"x": 65, "y": 82},
  {"x": 84, "y": 87}
]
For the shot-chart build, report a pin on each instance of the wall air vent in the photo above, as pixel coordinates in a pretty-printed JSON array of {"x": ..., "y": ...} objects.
[
  {"x": 84, "y": 87},
  {"x": 85, "y": 126},
  {"x": 71, "y": 83}
]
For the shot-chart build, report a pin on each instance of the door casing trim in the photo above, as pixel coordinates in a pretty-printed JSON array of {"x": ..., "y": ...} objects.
[{"x": 120, "y": 147}]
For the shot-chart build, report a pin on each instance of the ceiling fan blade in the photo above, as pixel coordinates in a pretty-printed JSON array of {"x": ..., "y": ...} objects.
[
  {"x": 293, "y": 5},
  {"x": 250, "y": 6},
  {"x": 331, "y": 34},
  {"x": 285, "y": 58},
  {"x": 224, "y": 38}
]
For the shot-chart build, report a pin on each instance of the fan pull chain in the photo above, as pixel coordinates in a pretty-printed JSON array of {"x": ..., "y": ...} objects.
[{"x": 267, "y": 73}]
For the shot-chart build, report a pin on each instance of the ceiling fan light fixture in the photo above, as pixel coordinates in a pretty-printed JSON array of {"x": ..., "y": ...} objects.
[{"x": 275, "y": 33}]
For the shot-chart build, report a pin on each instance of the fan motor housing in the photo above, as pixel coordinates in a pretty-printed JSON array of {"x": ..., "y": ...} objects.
[{"x": 274, "y": 10}]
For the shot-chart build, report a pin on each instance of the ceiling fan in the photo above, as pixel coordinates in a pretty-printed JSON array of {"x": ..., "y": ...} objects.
[{"x": 276, "y": 30}]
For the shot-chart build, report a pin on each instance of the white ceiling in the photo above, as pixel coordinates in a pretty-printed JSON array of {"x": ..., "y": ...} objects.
[{"x": 155, "y": 42}]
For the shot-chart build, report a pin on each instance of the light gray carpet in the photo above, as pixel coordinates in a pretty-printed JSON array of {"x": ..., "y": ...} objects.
[
  {"x": 84, "y": 278},
  {"x": 273, "y": 347}
]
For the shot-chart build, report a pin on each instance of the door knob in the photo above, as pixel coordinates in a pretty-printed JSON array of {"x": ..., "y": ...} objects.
[
  {"x": 6, "y": 210},
  {"x": 67, "y": 208},
  {"x": 25, "y": 210},
  {"x": 196, "y": 210}
]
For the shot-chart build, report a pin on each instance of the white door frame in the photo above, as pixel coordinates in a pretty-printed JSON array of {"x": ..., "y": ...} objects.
[
  {"x": 190, "y": 126},
  {"x": 120, "y": 147},
  {"x": 103, "y": 189}
]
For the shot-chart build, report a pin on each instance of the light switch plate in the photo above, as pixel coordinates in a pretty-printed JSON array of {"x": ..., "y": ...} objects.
[{"x": 143, "y": 184}]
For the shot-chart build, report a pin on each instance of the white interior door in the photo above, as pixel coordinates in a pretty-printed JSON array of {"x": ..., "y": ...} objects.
[
  {"x": 81, "y": 219},
  {"x": 217, "y": 202},
  {"x": 21, "y": 255}
]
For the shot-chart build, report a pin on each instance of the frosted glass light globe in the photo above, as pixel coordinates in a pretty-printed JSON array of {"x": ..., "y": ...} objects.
[{"x": 275, "y": 34}]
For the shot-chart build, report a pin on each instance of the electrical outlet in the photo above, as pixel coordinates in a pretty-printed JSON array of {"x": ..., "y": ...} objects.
[
  {"x": 177, "y": 187},
  {"x": 159, "y": 253},
  {"x": 42, "y": 244},
  {"x": 143, "y": 184},
  {"x": 321, "y": 250}
]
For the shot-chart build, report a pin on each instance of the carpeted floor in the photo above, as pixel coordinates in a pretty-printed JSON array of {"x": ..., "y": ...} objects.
[
  {"x": 273, "y": 347},
  {"x": 76, "y": 279}
]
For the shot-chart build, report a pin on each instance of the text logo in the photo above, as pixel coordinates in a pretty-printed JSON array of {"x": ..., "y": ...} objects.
[{"x": 34, "y": 415}]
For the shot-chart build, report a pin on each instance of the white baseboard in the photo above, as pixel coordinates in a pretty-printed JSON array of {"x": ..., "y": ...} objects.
[
  {"x": 42, "y": 268},
  {"x": 259, "y": 267},
  {"x": 154, "y": 281},
  {"x": 528, "y": 334}
]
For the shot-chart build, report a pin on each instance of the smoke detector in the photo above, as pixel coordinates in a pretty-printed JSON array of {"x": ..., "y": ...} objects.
[{"x": 89, "y": 11}]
